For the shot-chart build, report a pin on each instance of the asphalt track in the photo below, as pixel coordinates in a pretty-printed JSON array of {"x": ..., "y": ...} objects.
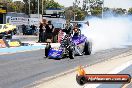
[
  {"x": 128, "y": 70},
  {"x": 21, "y": 69}
]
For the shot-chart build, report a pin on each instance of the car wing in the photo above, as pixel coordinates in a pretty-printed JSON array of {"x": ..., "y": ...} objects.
[
  {"x": 78, "y": 21},
  {"x": 83, "y": 22}
]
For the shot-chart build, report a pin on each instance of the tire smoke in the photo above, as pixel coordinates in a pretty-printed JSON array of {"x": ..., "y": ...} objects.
[{"x": 107, "y": 33}]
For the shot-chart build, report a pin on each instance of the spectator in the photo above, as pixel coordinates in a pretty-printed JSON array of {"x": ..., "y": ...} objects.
[
  {"x": 23, "y": 29},
  {"x": 49, "y": 30},
  {"x": 44, "y": 25},
  {"x": 41, "y": 33}
]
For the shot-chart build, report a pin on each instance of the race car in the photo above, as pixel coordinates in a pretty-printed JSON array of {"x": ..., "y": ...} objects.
[
  {"x": 7, "y": 30},
  {"x": 70, "y": 46}
]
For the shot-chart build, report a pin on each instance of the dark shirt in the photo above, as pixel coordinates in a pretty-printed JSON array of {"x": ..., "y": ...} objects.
[
  {"x": 67, "y": 31},
  {"x": 41, "y": 28},
  {"x": 49, "y": 28}
]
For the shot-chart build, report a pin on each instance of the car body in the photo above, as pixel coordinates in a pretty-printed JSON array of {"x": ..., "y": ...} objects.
[
  {"x": 7, "y": 30},
  {"x": 69, "y": 47}
]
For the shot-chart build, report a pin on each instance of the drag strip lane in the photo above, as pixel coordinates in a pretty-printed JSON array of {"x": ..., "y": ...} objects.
[
  {"x": 20, "y": 69},
  {"x": 128, "y": 70}
]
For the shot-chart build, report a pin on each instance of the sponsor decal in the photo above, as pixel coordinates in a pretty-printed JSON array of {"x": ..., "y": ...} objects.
[{"x": 54, "y": 54}]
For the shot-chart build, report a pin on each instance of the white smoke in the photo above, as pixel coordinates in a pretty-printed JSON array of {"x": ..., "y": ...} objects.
[{"x": 112, "y": 32}]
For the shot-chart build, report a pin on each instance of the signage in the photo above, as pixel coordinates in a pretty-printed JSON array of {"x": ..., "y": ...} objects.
[
  {"x": 18, "y": 20},
  {"x": 22, "y": 20}
]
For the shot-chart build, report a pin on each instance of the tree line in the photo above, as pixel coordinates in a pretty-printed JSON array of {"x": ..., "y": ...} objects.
[
  {"x": 94, "y": 8},
  {"x": 79, "y": 13},
  {"x": 23, "y": 7}
]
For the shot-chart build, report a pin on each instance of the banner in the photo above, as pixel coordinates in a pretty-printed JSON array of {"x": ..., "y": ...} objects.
[
  {"x": 18, "y": 20},
  {"x": 22, "y": 20}
]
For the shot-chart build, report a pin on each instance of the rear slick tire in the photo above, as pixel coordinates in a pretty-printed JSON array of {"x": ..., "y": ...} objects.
[{"x": 87, "y": 48}]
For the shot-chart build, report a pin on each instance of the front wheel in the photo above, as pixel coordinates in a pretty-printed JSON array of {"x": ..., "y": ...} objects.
[
  {"x": 47, "y": 48},
  {"x": 71, "y": 53}
]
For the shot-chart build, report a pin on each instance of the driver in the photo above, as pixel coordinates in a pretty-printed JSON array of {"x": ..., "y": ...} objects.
[{"x": 75, "y": 31}]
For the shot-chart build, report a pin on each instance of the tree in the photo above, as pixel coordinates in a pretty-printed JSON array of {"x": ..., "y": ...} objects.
[
  {"x": 119, "y": 11},
  {"x": 130, "y": 11},
  {"x": 19, "y": 6},
  {"x": 79, "y": 13},
  {"x": 93, "y": 7},
  {"x": 69, "y": 13},
  {"x": 16, "y": 6},
  {"x": 53, "y": 4},
  {"x": 26, "y": 5},
  {"x": 46, "y": 4}
]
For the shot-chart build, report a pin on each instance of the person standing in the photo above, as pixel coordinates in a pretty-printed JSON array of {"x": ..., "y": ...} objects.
[
  {"x": 23, "y": 29},
  {"x": 44, "y": 25},
  {"x": 41, "y": 32},
  {"x": 49, "y": 31}
]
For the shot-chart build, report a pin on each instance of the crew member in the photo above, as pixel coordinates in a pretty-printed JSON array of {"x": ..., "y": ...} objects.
[
  {"x": 49, "y": 30},
  {"x": 44, "y": 25}
]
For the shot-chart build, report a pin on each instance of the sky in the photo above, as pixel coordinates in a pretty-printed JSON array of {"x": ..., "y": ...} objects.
[{"x": 107, "y": 3}]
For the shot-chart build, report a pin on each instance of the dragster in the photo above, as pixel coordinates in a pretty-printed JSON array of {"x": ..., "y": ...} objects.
[{"x": 70, "y": 45}]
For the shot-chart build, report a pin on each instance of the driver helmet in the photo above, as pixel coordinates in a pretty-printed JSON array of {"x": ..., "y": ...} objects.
[{"x": 75, "y": 29}]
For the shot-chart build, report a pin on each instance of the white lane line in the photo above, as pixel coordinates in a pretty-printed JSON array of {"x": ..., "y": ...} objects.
[
  {"x": 122, "y": 67},
  {"x": 115, "y": 71}
]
